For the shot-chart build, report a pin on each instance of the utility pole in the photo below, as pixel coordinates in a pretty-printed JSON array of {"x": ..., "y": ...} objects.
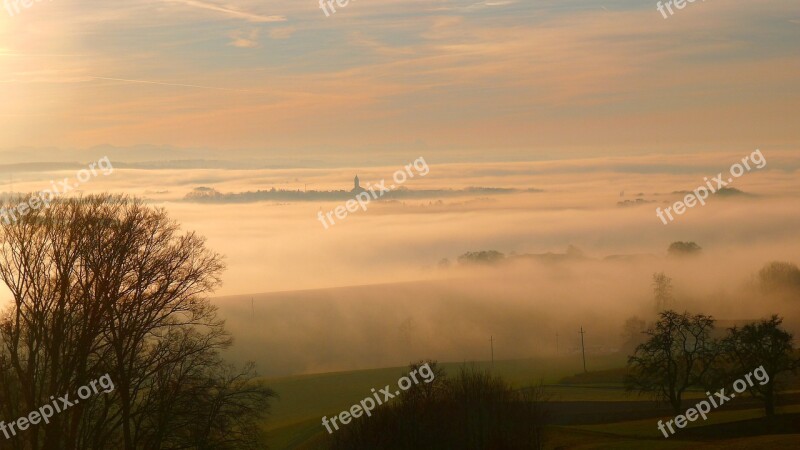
[
  {"x": 556, "y": 342},
  {"x": 491, "y": 340},
  {"x": 253, "y": 304},
  {"x": 583, "y": 351}
]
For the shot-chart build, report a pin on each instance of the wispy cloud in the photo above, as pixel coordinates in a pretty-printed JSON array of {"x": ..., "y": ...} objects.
[
  {"x": 176, "y": 84},
  {"x": 520, "y": 77},
  {"x": 485, "y": 4},
  {"x": 250, "y": 17},
  {"x": 244, "y": 39}
]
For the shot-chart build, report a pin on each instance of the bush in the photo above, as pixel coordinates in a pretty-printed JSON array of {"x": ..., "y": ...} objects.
[{"x": 473, "y": 410}]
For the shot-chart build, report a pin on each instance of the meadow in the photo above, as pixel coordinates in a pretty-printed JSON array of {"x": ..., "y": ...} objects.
[{"x": 586, "y": 409}]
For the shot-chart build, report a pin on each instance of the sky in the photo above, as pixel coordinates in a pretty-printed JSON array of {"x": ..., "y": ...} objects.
[
  {"x": 592, "y": 114},
  {"x": 494, "y": 80}
]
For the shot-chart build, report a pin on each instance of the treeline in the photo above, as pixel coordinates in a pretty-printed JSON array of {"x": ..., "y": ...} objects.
[
  {"x": 210, "y": 195},
  {"x": 681, "y": 351}
]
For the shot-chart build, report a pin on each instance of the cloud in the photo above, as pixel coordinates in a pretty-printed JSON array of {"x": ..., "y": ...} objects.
[
  {"x": 244, "y": 39},
  {"x": 171, "y": 84},
  {"x": 250, "y": 17},
  {"x": 488, "y": 4},
  {"x": 517, "y": 78}
]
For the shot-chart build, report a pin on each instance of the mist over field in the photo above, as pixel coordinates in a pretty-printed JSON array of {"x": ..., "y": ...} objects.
[
  {"x": 280, "y": 246},
  {"x": 521, "y": 304},
  {"x": 372, "y": 290}
]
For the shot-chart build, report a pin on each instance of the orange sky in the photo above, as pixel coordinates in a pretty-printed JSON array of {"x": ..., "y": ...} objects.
[{"x": 522, "y": 79}]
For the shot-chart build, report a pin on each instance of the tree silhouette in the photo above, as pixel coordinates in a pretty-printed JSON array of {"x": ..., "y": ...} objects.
[
  {"x": 679, "y": 353},
  {"x": 780, "y": 277},
  {"x": 471, "y": 410},
  {"x": 481, "y": 257},
  {"x": 107, "y": 285},
  {"x": 662, "y": 291},
  {"x": 761, "y": 344},
  {"x": 680, "y": 248}
]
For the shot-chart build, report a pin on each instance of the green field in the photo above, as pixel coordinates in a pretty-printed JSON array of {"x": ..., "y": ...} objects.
[
  {"x": 295, "y": 422},
  {"x": 304, "y": 400}
]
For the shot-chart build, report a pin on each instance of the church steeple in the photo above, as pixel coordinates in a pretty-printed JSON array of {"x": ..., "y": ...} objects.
[{"x": 357, "y": 189}]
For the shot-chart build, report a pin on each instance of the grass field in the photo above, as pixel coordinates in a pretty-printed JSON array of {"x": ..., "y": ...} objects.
[
  {"x": 590, "y": 399},
  {"x": 306, "y": 396}
]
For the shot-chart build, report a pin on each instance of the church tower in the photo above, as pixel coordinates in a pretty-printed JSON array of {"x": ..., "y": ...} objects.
[{"x": 357, "y": 189}]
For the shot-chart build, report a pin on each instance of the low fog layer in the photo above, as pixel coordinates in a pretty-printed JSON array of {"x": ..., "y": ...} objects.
[
  {"x": 280, "y": 246},
  {"x": 521, "y": 304},
  {"x": 407, "y": 308}
]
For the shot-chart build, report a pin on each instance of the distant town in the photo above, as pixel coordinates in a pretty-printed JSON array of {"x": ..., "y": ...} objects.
[{"x": 211, "y": 195}]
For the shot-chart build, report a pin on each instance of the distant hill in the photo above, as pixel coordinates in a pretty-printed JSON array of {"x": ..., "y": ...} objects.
[{"x": 724, "y": 192}]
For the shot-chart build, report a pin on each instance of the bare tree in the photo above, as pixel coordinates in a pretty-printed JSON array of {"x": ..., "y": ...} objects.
[
  {"x": 107, "y": 285},
  {"x": 662, "y": 291},
  {"x": 679, "y": 353},
  {"x": 761, "y": 344}
]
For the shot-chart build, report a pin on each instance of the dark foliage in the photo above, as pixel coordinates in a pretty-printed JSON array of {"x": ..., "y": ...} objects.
[
  {"x": 473, "y": 410},
  {"x": 107, "y": 286}
]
